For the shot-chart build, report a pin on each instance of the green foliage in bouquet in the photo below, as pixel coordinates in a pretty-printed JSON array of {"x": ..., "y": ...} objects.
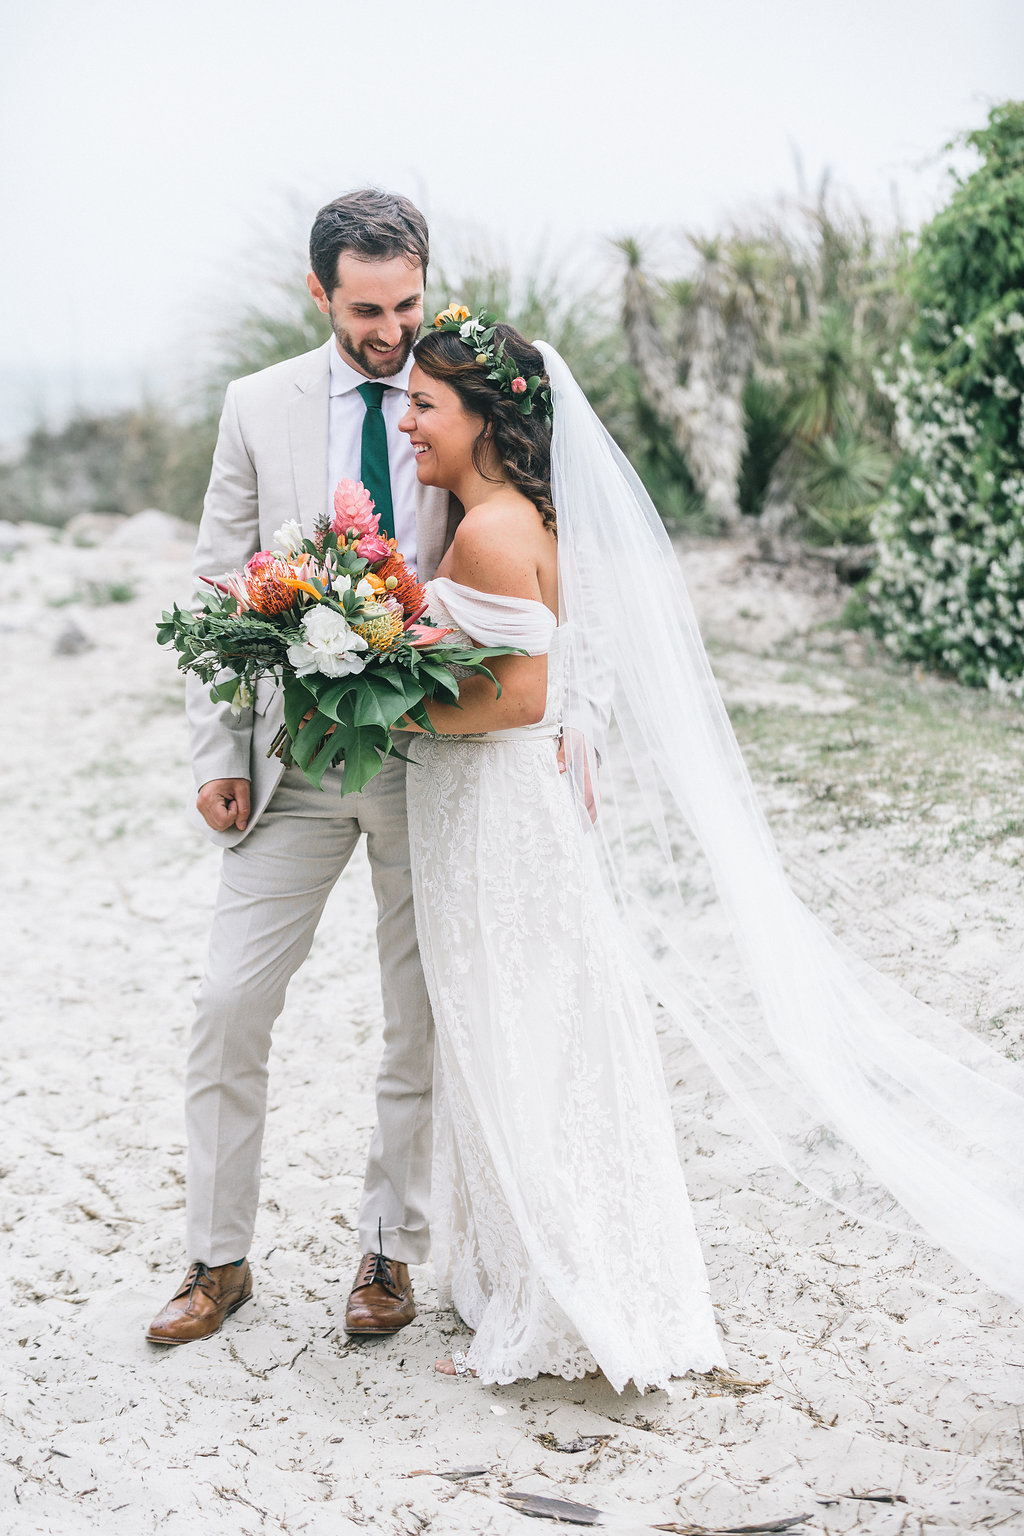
[
  {"x": 352, "y": 660},
  {"x": 948, "y": 587},
  {"x": 353, "y": 717}
]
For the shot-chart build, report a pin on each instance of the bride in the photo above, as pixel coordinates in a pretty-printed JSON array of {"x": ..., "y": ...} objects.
[{"x": 562, "y": 1230}]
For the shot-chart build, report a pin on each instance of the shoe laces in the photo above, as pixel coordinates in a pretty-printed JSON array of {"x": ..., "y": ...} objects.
[
  {"x": 380, "y": 1274},
  {"x": 198, "y": 1278}
]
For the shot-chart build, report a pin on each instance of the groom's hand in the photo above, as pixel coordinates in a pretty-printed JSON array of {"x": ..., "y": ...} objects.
[{"x": 224, "y": 803}]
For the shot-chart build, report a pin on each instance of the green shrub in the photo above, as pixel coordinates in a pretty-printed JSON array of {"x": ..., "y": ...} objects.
[{"x": 948, "y": 587}]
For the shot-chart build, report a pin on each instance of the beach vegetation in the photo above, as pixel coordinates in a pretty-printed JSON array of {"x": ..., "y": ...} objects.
[{"x": 947, "y": 590}]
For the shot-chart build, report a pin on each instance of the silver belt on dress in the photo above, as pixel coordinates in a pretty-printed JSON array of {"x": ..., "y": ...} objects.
[{"x": 515, "y": 733}]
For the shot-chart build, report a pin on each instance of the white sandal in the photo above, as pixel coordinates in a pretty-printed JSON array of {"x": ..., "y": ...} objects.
[{"x": 463, "y": 1370}]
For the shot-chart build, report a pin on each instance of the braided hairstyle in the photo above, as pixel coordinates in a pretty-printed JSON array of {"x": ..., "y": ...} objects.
[{"x": 523, "y": 443}]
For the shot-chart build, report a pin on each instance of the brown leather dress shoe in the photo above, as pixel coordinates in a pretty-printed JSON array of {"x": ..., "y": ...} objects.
[
  {"x": 381, "y": 1299},
  {"x": 207, "y": 1296}
]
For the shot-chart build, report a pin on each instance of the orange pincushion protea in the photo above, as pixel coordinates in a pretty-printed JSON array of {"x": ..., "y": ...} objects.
[
  {"x": 407, "y": 589},
  {"x": 270, "y": 585}
]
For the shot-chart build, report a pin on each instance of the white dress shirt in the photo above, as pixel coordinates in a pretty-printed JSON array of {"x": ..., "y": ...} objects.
[{"x": 345, "y": 443}]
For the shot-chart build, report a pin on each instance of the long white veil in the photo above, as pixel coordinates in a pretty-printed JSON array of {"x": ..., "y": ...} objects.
[{"x": 866, "y": 1095}]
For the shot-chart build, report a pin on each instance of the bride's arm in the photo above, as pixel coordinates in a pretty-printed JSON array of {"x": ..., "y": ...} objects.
[
  {"x": 484, "y": 556},
  {"x": 521, "y": 702}
]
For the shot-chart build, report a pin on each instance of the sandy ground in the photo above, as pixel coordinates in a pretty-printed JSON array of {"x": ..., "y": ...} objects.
[{"x": 863, "y": 1366}]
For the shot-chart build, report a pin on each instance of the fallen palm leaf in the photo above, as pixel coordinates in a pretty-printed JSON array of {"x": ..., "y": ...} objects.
[
  {"x": 764, "y": 1528},
  {"x": 453, "y": 1475},
  {"x": 553, "y": 1509}
]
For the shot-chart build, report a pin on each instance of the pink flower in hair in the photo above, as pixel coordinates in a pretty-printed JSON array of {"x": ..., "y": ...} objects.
[
  {"x": 519, "y": 386},
  {"x": 353, "y": 508}
]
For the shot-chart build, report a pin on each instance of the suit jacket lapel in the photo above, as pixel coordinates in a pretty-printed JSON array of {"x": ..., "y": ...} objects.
[{"x": 307, "y": 431}]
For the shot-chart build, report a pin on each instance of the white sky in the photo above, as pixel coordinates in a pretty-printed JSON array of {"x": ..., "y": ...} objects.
[{"x": 151, "y": 152}]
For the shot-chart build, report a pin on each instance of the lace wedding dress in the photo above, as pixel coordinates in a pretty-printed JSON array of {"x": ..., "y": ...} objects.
[{"x": 561, "y": 1226}]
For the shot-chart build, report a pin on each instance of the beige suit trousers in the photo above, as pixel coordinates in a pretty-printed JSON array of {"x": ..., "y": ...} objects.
[{"x": 274, "y": 885}]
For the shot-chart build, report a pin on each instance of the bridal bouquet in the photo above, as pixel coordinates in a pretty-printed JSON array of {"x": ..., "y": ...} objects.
[{"x": 339, "y": 621}]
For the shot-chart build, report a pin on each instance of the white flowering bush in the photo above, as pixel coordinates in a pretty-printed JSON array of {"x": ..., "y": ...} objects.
[{"x": 948, "y": 587}]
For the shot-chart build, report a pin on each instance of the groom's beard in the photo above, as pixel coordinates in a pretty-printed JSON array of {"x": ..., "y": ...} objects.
[{"x": 369, "y": 361}]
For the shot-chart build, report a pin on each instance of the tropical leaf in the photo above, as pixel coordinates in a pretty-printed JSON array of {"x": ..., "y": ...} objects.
[
  {"x": 298, "y": 699},
  {"x": 376, "y": 704},
  {"x": 331, "y": 750},
  {"x": 330, "y": 699},
  {"x": 418, "y": 714},
  {"x": 309, "y": 738},
  {"x": 364, "y": 755}
]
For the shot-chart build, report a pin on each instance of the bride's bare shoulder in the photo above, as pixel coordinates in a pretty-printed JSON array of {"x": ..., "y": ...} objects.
[
  {"x": 497, "y": 546},
  {"x": 509, "y": 514}
]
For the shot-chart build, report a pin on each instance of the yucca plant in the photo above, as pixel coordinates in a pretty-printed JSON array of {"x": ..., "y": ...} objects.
[
  {"x": 761, "y": 366},
  {"x": 842, "y": 478},
  {"x": 824, "y": 374},
  {"x": 693, "y": 370}
]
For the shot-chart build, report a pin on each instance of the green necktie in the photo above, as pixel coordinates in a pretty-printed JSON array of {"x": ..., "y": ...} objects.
[{"x": 375, "y": 471}]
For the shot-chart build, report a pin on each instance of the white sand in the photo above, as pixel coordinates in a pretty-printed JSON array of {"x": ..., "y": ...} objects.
[{"x": 883, "y": 1367}]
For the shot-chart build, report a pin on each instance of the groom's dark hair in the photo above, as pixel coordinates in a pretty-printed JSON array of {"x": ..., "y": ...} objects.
[{"x": 374, "y": 225}]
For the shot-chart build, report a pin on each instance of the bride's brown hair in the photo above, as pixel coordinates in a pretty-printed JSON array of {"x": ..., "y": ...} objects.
[{"x": 523, "y": 443}]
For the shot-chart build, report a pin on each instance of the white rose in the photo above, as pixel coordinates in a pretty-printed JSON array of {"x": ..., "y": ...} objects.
[
  {"x": 330, "y": 646},
  {"x": 288, "y": 538}
]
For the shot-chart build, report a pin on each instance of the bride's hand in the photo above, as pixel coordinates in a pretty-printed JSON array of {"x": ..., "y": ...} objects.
[{"x": 576, "y": 745}]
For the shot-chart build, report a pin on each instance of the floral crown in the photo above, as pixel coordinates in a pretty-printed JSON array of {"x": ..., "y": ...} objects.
[{"x": 477, "y": 332}]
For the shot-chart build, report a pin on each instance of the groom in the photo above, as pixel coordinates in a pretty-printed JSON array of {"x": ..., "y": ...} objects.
[{"x": 287, "y": 436}]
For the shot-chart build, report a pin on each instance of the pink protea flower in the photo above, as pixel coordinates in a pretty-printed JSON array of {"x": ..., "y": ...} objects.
[
  {"x": 307, "y": 569},
  {"x": 373, "y": 547},
  {"x": 234, "y": 586},
  {"x": 519, "y": 386},
  {"x": 353, "y": 508},
  {"x": 420, "y": 636}
]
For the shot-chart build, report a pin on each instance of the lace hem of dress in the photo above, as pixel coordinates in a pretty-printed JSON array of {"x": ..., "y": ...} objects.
[{"x": 576, "y": 1364}]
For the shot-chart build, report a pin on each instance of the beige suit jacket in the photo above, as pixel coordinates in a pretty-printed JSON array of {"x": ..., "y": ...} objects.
[{"x": 270, "y": 464}]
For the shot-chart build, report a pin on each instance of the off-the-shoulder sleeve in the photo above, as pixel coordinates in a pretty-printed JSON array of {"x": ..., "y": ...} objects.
[{"x": 490, "y": 619}]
